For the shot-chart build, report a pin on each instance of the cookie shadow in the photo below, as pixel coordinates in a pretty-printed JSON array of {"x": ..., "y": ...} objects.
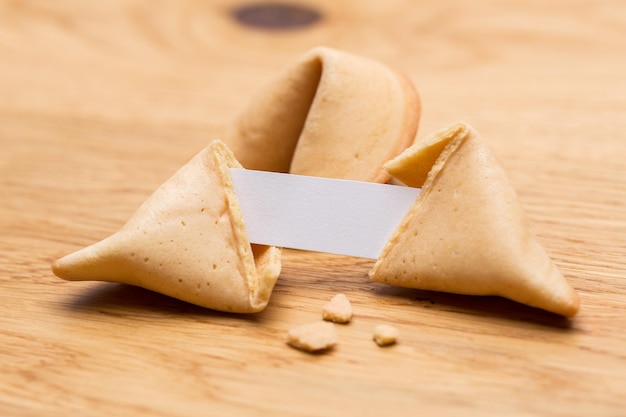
[
  {"x": 482, "y": 306},
  {"x": 122, "y": 299}
]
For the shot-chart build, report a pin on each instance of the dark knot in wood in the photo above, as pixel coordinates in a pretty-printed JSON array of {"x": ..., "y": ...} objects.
[{"x": 276, "y": 16}]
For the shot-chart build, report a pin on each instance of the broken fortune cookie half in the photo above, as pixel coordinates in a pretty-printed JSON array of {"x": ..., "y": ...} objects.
[
  {"x": 188, "y": 241},
  {"x": 466, "y": 232}
]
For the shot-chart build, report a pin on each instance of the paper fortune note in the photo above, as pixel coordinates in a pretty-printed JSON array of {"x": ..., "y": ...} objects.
[{"x": 320, "y": 214}]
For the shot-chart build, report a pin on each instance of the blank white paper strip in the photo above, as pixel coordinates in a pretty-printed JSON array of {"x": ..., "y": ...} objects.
[{"x": 320, "y": 214}]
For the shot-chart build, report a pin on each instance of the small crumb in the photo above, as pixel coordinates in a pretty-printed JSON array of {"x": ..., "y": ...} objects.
[
  {"x": 338, "y": 309},
  {"x": 385, "y": 335},
  {"x": 313, "y": 337}
]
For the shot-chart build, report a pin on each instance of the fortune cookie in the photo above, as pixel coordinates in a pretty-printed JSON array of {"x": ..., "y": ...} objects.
[
  {"x": 188, "y": 241},
  {"x": 466, "y": 232},
  {"x": 331, "y": 114}
]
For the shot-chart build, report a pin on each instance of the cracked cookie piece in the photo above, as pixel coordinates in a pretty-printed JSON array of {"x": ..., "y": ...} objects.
[
  {"x": 330, "y": 114},
  {"x": 338, "y": 309},
  {"x": 467, "y": 232},
  {"x": 188, "y": 241},
  {"x": 385, "y": 335},
  {"x": 313, "y": 337}
]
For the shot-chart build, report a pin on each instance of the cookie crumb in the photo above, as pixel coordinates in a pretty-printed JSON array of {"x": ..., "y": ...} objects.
[
  {"x": 385, "y": 335},
  {"x": 338, "y": 309},
  {"x": 313, "y": 337}
]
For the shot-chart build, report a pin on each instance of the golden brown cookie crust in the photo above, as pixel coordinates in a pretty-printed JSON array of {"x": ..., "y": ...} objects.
[
  {"x": 467, "y": 232},
  {"x": 331, "y": 114},
  {"x": 188, "y": 241}
]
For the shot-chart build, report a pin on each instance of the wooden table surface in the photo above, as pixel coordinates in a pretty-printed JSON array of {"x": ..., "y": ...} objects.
[{"x": 102, "y": 101}]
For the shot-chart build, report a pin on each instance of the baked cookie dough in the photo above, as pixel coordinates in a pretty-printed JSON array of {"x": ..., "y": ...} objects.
[
  {"x": 330, "y": 114},
  {"x": 313, "y": 337},
  {"x": 188, "y": 241},
  {"x": 467, "y": 232},
  {"x": 385, "y": 335},
  {"x": 338, "y": 309}
]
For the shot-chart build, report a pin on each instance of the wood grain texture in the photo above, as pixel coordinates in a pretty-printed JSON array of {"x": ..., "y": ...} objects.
[{"x": 101, "y": 101}]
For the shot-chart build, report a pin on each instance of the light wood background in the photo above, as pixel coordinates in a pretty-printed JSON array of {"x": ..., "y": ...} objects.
[{"x": 102, "y": 101}]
